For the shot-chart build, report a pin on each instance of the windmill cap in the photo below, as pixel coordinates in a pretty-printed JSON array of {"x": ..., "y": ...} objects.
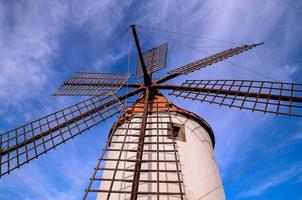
[{"x": 158, "y": 98}]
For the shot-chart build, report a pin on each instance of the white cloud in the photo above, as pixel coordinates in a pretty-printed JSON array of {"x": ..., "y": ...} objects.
[
  {"x": 299, "y": 179},
  {"x": 297, "y": 136},
  {"x": 29, "y": 40},
  {"x": 291, "y": 69},
  {"x": 272, "y": 181}
]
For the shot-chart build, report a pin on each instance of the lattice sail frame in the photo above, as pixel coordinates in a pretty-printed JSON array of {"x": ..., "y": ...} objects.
[
  {"x": 155, "y": 59},
  {"x": 21, "y": 145},
  {"x": 92, "y": 84},
  {"x": 264, "y": 96},
  {"x": 158, "y": 143},
  {"x": 191, "y": 67}
]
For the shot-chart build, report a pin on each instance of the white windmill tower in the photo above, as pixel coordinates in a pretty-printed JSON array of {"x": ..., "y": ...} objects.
[{"x": 176, "y": 159}]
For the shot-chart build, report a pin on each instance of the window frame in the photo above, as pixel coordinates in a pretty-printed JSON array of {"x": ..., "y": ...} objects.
[{"x": 181, "y": 132}]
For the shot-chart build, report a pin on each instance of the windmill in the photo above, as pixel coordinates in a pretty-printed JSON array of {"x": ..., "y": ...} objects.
[{"x": 155, "y": 149}]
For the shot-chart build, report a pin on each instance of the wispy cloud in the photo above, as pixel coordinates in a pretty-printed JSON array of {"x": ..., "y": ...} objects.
[
  {"x": 297, "y": 136},
  {"x": 29, "y": 34},
  {"x": 30, "y": 43},
  {"x": 274, "y": 180}
]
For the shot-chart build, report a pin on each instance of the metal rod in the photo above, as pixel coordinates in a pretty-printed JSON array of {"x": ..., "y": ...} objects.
[
  {"x": 157, "y": 153},
  {"x": 140, "y": 148},
  {"x": 231, "y": 92},
  {"x": 147, "y": 79},
  {"x": 141, "y": 181},
  {"x": 132, "y": 85},
  {"x": 168, "y": 77}
]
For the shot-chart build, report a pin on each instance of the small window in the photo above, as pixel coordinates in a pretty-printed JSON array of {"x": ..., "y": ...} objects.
[{"x": 177, "y": 132}]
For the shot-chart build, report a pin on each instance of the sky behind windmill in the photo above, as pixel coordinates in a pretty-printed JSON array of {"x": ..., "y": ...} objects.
[{"x": 44, "y": 43}]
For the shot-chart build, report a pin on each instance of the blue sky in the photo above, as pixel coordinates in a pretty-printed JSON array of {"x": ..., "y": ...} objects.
[{"x": 43, "y": 43}]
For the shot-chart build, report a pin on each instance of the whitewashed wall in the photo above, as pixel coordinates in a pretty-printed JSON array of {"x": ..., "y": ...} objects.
[{"x": 199, "y": 171}]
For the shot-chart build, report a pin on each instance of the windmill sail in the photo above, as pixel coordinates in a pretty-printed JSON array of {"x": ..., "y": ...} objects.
[
  {"x": 155, "y": 59},
  {"x": 204, "y": 62},
  {"x": 92, "y": 84},
  {"x": 191, "y": 67},
  {"x": 21, "y": 145},
  {"x": 264, "y": 96}
]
